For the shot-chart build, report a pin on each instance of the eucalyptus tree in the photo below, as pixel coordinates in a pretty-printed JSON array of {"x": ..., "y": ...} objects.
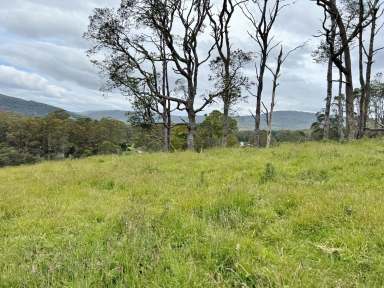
[
  {"x": 347, "y": 32},
  {"x": 130, "y": 54},
  {"x": 324, "y": 54},
  {"x": 366, "y": 55},
  {"x": 262, "y": 15},
  {"x": 276, "y": 74}
]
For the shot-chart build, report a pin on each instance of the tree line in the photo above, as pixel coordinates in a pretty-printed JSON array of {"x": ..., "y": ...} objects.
[{"x": 60, "y": 135}]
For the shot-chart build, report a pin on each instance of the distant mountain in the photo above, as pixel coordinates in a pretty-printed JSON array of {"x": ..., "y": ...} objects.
[
  {"x": 123, "y": 116},
  {"x": 282, "y": 120},
  {"x": 25, "y": 107},
  {"x": 114, "y": 114}
]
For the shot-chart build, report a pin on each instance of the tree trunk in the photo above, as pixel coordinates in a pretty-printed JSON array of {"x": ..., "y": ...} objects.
[
  {"x": 340, "y": 108},
  {"x": 227, "y": 93},
  {"x": 169, "y": 124},
  {"x": 276, "y": 76},
  {"x": 166, "y": 126},
  {"x": 257, "y": 121},
  {"x": 350, "y": 113},
  {"x": 166, "y": 103},
  {"x": 260, "y": 87},
  {"x": 191, "y": 130},
  {"x": 166, "y": 144},
  {"x": 270, "y": 118},
  {"x": 327, "y": 122},
  {"x": 349, "y": 96},
  {"x": 225, "y": 124},
  {"x": 360, "y": 130},
  {"x": 369, "y": 71}
]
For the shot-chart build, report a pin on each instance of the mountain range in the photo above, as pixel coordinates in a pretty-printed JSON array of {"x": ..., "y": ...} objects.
[{"x": 282, "y": 120}]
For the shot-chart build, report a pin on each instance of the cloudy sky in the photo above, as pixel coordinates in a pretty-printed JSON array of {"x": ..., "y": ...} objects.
[{"x": 42, "y": 56}]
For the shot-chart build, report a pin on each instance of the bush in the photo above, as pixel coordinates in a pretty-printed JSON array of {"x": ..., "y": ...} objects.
[
  {"x": 10, "y": 156},
  {"x": 107, "y": 147}
]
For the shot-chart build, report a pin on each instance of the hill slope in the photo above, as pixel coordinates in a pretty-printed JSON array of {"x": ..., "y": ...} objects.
[
  {"x": 307, "y": 215},
  {"x": 283, "y": 120},
  {"x": 24, "y": 107}
]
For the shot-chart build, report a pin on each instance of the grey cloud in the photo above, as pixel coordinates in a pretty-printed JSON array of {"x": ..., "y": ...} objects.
[
  {"x": 59, "y": 21},
  {"x": 13, "y": 78},
  {"x": 43, "y": 37},
  {"x": 55, "y": 61}
]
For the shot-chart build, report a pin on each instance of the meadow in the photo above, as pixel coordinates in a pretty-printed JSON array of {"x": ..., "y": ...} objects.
[{"x": 297, "y": 215}]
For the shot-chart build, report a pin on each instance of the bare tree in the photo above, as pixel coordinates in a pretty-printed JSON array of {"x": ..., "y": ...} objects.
[
  {"x": 262, "y": 15},
  {"x": 190, "y": 17},
  {"x": 276, "y": 73},
  {"x": 227, "y": 66}
]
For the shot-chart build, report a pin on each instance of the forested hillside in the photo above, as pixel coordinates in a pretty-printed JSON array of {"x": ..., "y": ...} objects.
[{"x": 24, "y": 107}]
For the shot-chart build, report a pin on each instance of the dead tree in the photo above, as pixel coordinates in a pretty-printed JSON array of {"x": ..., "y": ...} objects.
[
  {"x": 227, "y": 66},
  {"x": 276, "y": 73},
  {"x": 186, "y": 18},
  {"x": 262, "y": 15}
]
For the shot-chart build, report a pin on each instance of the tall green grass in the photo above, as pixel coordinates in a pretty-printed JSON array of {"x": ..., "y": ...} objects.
[{"x": 308, "y": 215}]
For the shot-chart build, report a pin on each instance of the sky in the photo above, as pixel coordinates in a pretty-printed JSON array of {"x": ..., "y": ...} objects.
[{"x": 43, "y": 57}]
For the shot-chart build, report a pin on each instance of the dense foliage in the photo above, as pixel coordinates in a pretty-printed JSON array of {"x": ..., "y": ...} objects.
[{"x": 58, "y": 135}]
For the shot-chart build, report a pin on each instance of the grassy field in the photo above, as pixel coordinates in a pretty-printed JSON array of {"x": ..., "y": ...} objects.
[{"x": 300, "y": 215}]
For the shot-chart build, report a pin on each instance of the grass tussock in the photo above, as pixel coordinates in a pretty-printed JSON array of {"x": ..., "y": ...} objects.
[{"x": 308, "y": 215}]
